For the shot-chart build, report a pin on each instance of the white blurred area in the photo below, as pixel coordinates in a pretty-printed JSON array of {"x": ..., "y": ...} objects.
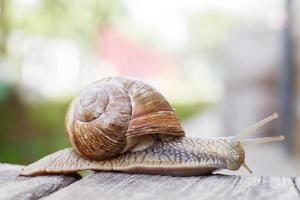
[
  {"x": 59, "y": 67},
  {"x": 55, "y": 68}
]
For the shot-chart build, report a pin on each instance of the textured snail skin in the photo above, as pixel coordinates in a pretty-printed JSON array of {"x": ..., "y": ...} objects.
[{"x": 170, "y": 156}]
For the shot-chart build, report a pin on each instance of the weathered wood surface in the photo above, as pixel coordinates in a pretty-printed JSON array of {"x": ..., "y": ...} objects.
[
  {"x": 116, "y": 186},
  {"x": 137, "y": 186},
  {"x": 13, "y": 186}
]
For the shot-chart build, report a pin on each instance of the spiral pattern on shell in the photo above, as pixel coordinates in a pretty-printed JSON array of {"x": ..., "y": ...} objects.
[{"x": 109, "y": 114}]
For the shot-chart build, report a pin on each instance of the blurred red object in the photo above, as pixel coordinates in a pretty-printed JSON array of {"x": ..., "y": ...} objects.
[{"x": 128, "y": 57}]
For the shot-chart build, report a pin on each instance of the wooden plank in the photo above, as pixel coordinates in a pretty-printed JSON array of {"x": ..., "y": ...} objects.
[
  {"x": 137, "y": 186},
  {"x": 9, "y": 173},
  {"x": 265, "y": 188},
  {"x": 124, "y": 186},
  {"x": 13, "y": 186}
]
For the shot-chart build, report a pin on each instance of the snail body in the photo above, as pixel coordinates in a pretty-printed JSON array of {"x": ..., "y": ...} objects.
[
  {"x": 174, "y": 156},
  {"x": 120, "y": 124}
]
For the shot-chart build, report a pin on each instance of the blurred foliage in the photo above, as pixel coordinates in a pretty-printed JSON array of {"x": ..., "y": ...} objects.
[
  {"x": 28, "y": 132},
  {"x": 78, "y": 19},
  {"x": 187, "y": 110},
  {"x": 31, "y": 131},
  {"x": 5, "y": 91},
  {"x": 3, "y": 26}
]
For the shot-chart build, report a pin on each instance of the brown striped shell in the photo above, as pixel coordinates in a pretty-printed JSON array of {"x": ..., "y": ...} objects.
[{"x": 109, "y": 115}]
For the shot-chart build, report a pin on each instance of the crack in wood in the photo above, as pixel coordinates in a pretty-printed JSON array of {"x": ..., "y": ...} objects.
[
  {"x": 295, "y": 185},
  {"x": 236, "y": 182},
  {"x": 261, "y": 180}
]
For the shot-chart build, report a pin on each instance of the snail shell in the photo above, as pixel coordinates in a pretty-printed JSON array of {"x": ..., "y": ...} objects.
[{"x": 112, "y": 115}]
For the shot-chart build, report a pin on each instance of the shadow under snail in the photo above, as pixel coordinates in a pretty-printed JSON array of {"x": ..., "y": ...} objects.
[{"x": 125, "y": 125}]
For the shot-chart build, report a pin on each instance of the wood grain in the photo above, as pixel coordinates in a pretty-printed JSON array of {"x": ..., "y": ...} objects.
[
  {"x": 116, "y": 186},
  {"x": 13, "y": 186},
  {"x": 125, "y": 186}
]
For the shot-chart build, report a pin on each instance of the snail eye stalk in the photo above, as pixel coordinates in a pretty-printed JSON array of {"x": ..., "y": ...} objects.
[
  {"x": 262, "y": 140},
  {"x": 254, "y": 127},
  {"x": 251, "y": 129}
]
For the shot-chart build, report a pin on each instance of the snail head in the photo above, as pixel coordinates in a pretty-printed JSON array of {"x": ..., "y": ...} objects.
[{"x": 237, "y": 157}]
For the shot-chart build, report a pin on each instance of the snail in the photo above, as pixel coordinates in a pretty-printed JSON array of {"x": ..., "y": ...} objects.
[{"x": 125, "y": 125}]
